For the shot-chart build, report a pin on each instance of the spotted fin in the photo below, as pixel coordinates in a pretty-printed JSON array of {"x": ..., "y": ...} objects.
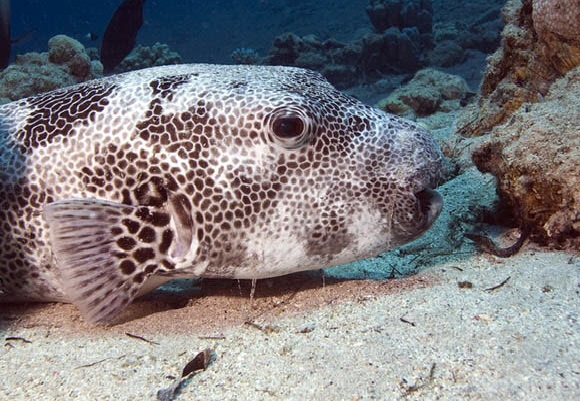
[{"x": 105, "y": 252}]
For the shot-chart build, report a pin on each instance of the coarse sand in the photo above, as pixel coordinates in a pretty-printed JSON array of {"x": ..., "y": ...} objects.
[{"x": 481, "y": 328}]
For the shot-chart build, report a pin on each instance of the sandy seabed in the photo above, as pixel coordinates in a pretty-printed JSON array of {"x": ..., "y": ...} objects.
[{"x": 444, "y": 334}]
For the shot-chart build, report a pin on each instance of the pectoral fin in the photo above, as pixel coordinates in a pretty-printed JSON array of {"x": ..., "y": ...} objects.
[{"x": 105, "y": 252}]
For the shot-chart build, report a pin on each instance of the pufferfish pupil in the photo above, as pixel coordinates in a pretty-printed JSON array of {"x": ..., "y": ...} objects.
[
  {"x": 111, "y": 187},
  {"x": 288, "y": 126}
]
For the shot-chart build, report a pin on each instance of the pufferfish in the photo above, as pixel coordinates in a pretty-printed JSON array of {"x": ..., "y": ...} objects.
[{"x": 114, "y": 186}]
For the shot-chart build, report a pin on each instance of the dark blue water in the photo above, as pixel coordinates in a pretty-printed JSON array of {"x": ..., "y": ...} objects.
[{"x": 200, "y": 31}]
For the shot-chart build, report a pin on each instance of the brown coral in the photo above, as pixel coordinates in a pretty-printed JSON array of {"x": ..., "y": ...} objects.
[{"x": 429, "y": 91}]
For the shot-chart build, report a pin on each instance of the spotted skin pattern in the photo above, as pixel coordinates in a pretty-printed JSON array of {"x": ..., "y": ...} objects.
[{"x": 112, "y": 186}]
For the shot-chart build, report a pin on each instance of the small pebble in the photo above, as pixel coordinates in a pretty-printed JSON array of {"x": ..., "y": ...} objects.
[{"x": 465, "y": 284}]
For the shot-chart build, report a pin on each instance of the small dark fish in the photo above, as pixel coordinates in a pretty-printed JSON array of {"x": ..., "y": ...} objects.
[
  {"x": 121, "y": 33},
  {"x": 5, "y": 41}
]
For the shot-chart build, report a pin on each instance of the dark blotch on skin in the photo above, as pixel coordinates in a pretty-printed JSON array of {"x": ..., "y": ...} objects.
[
  {"x": 147, "y": 235},
  {"x": 132, "y": 226},
  {"x": 126, "y": 243},
  {"x": 166, "y": 242},
  {"x": 144, "y": 254},
  {"x": 127, "y": 267},
  {"x": 66, "y": 108}
]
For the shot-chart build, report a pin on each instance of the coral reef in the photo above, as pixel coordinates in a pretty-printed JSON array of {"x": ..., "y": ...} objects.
[
  {"x": 336, "y": 60},
  {"x": 347, "y": 64},
  {"x": 540, "y": 44},
  {"x": 404, "y": 40},
  {"x": 402, "y": 32},
  {"x": 526, "y": 93},
  {"x": 66, "y": 63},
  {"x": 446, "y": 53},
  {"x": 149, "y": 56},
  {"x": 429, "y": 91},
  {"x": 535, "y": 157}
]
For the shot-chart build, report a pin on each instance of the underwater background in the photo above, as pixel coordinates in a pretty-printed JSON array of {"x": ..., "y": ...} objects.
[
  {"x": 210, "y": 32},
  {"x": 200, "y": 31}
]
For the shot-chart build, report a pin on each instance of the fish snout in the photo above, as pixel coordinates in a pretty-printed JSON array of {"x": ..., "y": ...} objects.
[{"x": 418, "y": 172}]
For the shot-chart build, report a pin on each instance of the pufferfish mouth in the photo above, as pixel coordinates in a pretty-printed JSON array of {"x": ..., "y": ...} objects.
[{"x": 431, "y": 204}]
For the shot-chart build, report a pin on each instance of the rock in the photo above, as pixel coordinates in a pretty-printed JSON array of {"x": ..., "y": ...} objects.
[
  {"x": 385, "y": 14},
  {"x": 527, "y": 64},
  {"x": 534, "y": 157},
  {"x": 557, "y": 24},
  {"x": 403, "y": 32},
  {"x": 245, "y": 56},
  {"x": 312, "y": 60},
  {"x": 285, "y": 49},
  {"x": 343, "y": 76},
  {"x": 392, "y": 51},
  {"x": 24, "y": 78},
  {"x": 429, "y": 91}
]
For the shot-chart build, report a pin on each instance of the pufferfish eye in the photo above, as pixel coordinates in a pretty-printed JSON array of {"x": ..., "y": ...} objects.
[{"x": 290, "y": 127}]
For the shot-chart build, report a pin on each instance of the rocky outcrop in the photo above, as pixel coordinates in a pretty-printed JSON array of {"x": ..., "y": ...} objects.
[
  {"x": 535, "y": 158},
  {"x": 541, "y": 43}
]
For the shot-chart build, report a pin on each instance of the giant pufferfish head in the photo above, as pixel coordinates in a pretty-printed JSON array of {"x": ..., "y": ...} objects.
[{"x": 348, "y": 181}]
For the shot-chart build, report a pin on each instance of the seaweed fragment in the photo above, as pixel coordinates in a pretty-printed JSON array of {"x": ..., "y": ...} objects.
[
  {"x": 200, "y": 362},
  {"x": 24, "y": 340},
  {"x": 495, "y": 287},
  {"x": 88, "y": 365},
  {"x": 135, "y": 336},
  {"x": 267, "y": 328}
]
